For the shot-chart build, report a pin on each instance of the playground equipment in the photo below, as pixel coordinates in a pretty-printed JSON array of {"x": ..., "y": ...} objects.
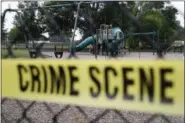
[
  {"x": 145, "y": 33},
  {"x": 110, "y": 40},
  {"x": 176, "y": 45},
  {"x": 107, "y": 38},
  {"x": 35, "y": 50}
]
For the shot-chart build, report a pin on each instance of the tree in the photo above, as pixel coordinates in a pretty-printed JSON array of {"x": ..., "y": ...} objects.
[
  {"x": 3, "y": 30},
  {"x": 15, "y": 35},
  {"x": 156, "y": 5},
  {"x": 26, "y": 22},
  {"x": 151, "y": 16},
  {"x": 57, "y": 21},
  {"x": 154, "y": 16},
  {"x": 170, "y": 15}
]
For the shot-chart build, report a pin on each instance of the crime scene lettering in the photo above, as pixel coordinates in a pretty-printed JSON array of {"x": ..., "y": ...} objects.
[
  {"x": 146, "y": 83},
  {"x": 145, "y": 86},
  {"x": 21, "y": 69},
  {"x": 35, "y": 78},
  {"x": 165, "y": 84},
  {"x": 73, "y": 80},
  {"x": 126, "y": 83},
  {"x": 109, "y": 81},
  {"x": 92, "y": 71},
  {"x": 47, "y": 79},
  {"x": 57, "y": 81},
  {"x": 107, "y": 85}
]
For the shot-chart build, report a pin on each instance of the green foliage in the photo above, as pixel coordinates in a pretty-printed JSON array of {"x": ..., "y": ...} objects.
[
  {"x": 15, "y": 35},
  {"x": 57, "y": 20},
  {"x": 169, "y": 13},
  {"x": 132, "y": 42},
  {"x": 152, "y": 16},
  {"x": 3, "y": 30},
  {"x": 26, "y": 24}
]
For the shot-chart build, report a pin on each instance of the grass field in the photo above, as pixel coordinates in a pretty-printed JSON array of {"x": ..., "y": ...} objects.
[{"x": 20, "y": 53}]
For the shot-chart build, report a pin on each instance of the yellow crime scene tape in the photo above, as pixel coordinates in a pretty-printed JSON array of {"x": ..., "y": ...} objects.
[{"x": 146, "y": 86}]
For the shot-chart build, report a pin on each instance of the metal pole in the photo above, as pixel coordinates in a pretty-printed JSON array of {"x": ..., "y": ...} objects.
[
  {"x": 158, "y": 36},
  {"x": 72, "y": 51},
  {"x": 139, "y": 47},
  {"x": 153, "y": 36}
]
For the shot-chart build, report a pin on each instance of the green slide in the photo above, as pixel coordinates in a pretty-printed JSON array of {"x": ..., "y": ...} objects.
[
  {"x": 117, "y": 38},
  {"x": 85, "y": 43}
]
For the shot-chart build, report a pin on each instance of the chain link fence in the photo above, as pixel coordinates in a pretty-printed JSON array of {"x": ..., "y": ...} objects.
[
  {"x": 21, "y": 111},
  {"x": 41, "y": 112}
]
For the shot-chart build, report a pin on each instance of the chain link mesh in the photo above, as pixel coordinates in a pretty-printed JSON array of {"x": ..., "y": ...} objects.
[
  {"x": 41, "y": 112},
  {"x": 19, "y": 111}
]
